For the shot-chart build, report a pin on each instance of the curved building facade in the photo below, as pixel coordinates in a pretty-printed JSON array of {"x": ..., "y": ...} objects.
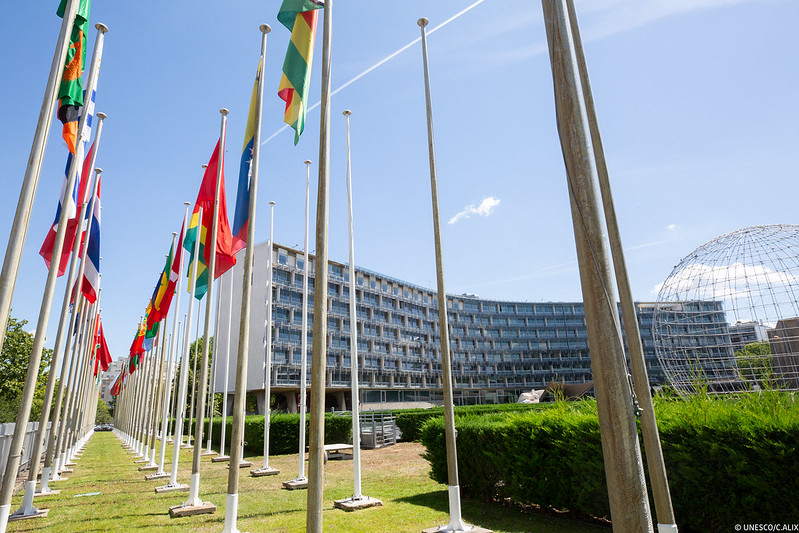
[{"x": 499, "y": 349}]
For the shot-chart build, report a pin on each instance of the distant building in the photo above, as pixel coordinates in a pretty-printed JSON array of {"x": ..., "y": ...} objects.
[
  {"x": 743, "y": 333},
  {"x": 498, "y": 349},
  {"x": 108, "y": 377},
  {"x": 784, "y": 343}
]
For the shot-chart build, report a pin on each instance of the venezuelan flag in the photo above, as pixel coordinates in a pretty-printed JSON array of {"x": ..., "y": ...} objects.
[
  {"x": 299, "y": 17},
  {"x": 242, "y": 213}
]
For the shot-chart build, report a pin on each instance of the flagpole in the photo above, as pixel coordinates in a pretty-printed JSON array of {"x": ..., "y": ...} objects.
[
  {"x": 214, "y": 358},
  {"x": 23, "y": 414},
  {"x": 237, "y": 433},
  {"x": 222, "y": 455},
  {"x": 357, "y": 500},
  {"x": 629, "y": 504},
  {"x": 301, "y": 482},
  {"x": 455, "y": 522},
  {"x": 649, "y": 430},
  {"x": 194, "y": 365},
  {"x": 60, "y": 334},
  {"x": 172, "y": 349},
  {"x": 19, "y": 228},
  {"x": 180, "y": 404},
  {"x": 266, "y": 470},
  {"x": 194, "y": 500},
  {"x": 316, "y": 440}
]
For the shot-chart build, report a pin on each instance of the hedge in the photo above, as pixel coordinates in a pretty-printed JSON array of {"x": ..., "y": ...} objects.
[
  {"x": 729, "y": 461},
  {"x": 284, "y": 435},
  {"x": 410, "y": 421}
]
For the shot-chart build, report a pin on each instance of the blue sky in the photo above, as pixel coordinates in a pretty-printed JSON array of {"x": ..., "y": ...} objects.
[{"x": 696, "y": 101}]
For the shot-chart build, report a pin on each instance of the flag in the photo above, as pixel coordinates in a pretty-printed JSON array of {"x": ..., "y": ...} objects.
[
  {"x": 102, "y": 353},
  {"x": 119, "y": 383},
  {"x": 155, "y": 310},
  {"x": 299, "y": 16},
  {"x": 70, "y": 93},
  {"x": 201, "y": 229},
  {"x": 91, "y": 270},
  {"x": 74, "y": 204},
  {"x": 242, "y": 213},
  {"x": 174, "y": 274}
]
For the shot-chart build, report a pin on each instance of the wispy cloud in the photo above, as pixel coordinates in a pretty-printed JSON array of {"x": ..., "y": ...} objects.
[{"x": 485, "y": 209}]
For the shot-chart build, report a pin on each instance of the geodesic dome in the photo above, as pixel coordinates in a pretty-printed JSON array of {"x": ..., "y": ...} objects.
[{"x": 727, "y": 317}]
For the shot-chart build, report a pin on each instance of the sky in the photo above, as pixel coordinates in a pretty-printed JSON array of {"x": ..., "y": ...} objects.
[{"x": 696, "y": 101}]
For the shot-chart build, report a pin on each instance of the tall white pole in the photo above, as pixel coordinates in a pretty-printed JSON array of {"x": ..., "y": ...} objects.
[
  {"x": 214, "y": 357},
  {"x": 266, "y": 470},
  {"x": 222, "y": 455},
  {"x": 455, "y": 521},
  {"x": 184, "y": 370},
  {"x": 236, "y": 447}
]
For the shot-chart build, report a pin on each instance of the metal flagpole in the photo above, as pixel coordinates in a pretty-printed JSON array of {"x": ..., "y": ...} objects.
[
  {"x": 222, "y": 455},
  {"x": 214, "y": 358},
  {"x": 455, "y": 521},
  {"x": 629, "y": 504},
  {"x": 358, "y": 500},
  {"x": 237, "y": 434},
  {"x": 266, "y": 470},
  {"x": 194, "y": 504},
  {"x": 649, "y": 428},
  {"x": 60, "y": 337},
  {"x": 180, "y": 404},
  {"x": 172, "y": 350},
  {"x": 19, "y": 228},
  {"x": 194, "y": 374},
  {"x": 316, "y": 434},
  {"x": 301, "y": 482},
  {"x": 23, "y": 414}
]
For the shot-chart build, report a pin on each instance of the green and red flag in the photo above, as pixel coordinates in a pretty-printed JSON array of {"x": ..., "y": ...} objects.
[
  {"x": 300, "y": 17},
  {"x": 201, "y": 229},
  {"x": 70, "y": 93}
]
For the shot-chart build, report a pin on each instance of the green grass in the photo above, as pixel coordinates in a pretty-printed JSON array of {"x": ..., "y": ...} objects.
[{"x": 397, "y": 475}]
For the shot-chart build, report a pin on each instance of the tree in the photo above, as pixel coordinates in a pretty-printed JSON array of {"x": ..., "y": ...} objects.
[
  {"x": 755, "y": 362},
  {"x": 103, "y": 415},
  {"x": 14, "y": 362}
]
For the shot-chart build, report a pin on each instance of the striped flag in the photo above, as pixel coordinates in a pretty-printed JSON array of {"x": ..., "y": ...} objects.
[
  {"x": 242, "y": 212},
  {"x": 71, "y": 93},
  {"x": 299, "y": 16},
  {"x": 91, "y": 271}
]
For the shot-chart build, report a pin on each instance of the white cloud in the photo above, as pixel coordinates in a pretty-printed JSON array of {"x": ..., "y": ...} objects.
[
  {"x": 485, "y": 209},
  {"x": 671, "y": 227}
]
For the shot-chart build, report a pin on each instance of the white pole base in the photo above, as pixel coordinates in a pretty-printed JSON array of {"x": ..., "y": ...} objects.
[
  {"x": 27, "y": 507},
  {"x": 194, "y": 491},
  {"x": 5, "y": 510},
  {"x": 455, "y": 520},
  {"x": 667, "y": 528},
  {"x": 44, "y": 488},
  {"x": 231, "y": 512}
]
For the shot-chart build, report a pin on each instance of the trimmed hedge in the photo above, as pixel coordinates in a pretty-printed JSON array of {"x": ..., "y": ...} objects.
[
  {"x": 729, "y": 461},
  {"x": 284, "y": 435},
  {"x": 410, "y": 421}
]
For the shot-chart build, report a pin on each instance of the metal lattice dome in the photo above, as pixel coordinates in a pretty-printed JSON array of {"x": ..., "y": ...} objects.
[{"x": 727, "y": 317}]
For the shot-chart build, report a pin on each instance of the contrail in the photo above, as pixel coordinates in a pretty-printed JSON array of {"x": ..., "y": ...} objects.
[{"x": 381, "y": 62}]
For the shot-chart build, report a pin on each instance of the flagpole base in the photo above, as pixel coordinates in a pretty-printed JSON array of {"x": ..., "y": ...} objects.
[
  {"x": 667, "y": 528},
  {"x": 190, "y": 510},
  {"x": 48, "y": 492},
  {"x": 148, "y": 468},
  {"x": 296, "y": 484},
  {"x": 264, "y": 471},
  {"x": 220, "y": 459},
  {"x": 356, "y": 504},
  {"x": 157, "y": 475},
  {"x": 231, "y": 512},
  {"x": 178, "y": 487}
]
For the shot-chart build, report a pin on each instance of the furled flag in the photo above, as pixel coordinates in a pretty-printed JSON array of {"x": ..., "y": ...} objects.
[
  {"x": 70, "y": 93},
  {"x": 242, "y": 213},
  {"x": 102, "y": 353},
  {"x": 155, "y": 310},
  {"x": 74, "y": 204},
  {"x": 119, "y": 384},
  {"x": 299, "y": 16},
  {"x": 91, "y": 271},
  {"x": 225, "y": 257}
]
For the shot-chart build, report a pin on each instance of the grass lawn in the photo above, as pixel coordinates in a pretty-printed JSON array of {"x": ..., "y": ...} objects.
[{"x": 397, "y": 475}]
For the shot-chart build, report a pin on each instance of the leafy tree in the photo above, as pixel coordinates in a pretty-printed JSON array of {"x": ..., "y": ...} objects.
[
  {"x": 103, "y": 415},
  {"x": 14, "y": 362},
  {"x": 755, "y": 362},
  {"x": 196, "y": 352}
]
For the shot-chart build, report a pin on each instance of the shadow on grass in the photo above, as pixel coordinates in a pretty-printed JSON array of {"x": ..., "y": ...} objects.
[{"x": 504, "y": 517}]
